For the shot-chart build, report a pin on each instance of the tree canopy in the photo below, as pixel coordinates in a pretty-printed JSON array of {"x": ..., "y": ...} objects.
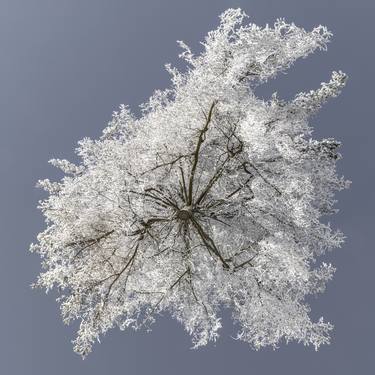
[{"x": 211, "y": 198}]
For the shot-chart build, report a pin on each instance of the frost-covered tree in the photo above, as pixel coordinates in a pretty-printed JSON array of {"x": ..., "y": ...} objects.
[{"x": 211, "y": 198}]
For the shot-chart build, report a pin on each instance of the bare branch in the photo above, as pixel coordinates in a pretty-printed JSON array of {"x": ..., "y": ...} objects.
[{"x": 196, "y": 153}]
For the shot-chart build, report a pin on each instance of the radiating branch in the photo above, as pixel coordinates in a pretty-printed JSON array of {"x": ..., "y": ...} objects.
[
  {"x": 208, "y": 241},
  {"x": 197, "y": 150}
]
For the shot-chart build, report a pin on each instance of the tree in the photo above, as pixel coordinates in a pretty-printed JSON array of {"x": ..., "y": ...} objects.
[{"x": 212, "y": 198}]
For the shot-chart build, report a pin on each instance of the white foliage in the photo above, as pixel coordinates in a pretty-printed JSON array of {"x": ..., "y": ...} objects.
[{"x": 211, "y": 198}]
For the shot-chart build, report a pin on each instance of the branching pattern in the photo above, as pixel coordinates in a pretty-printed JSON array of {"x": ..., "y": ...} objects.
[{"x": 211, "y": 198}]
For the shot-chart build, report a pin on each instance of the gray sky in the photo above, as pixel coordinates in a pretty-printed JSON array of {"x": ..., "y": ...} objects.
[{"x": 64, "y": 67}]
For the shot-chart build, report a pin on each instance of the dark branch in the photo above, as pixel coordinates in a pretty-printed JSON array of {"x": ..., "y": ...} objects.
[
  {"x": 262, "y": 177},
  {"x": 89, "y": 242},
  {"x": 212, "y": 181},
  {"x": 171, "y": 163},
  {"x": 129, "y": 263},
  {"x": 208, "y": 242},
  {"x": 196, "y": 153}
]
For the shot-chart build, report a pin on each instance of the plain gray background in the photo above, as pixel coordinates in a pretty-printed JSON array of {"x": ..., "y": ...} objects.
[{"x": 64, "y": 67}]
